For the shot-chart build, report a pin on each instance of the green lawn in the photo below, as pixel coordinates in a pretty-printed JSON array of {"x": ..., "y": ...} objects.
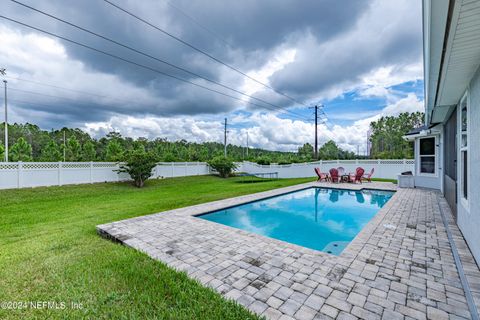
[
  {"x": 49, "y": 251},
  {"x": 385, "y": 180}
]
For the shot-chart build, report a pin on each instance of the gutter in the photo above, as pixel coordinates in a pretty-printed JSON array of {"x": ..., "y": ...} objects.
[{"x": 451, "y": 5}]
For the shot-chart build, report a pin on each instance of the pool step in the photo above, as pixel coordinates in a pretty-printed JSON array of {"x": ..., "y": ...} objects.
[{"x": 335, "y": 247}]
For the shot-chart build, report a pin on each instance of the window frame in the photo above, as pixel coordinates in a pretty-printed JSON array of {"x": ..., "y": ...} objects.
[
  {"x": 434, "y": 155},
  {"x": 461, "y": 149}
]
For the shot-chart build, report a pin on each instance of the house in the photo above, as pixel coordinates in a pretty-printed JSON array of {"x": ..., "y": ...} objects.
[{"x": 447, "y": 148}]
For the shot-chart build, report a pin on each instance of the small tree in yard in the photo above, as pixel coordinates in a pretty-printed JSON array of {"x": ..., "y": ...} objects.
[
  {"x": 139, "y": 166},
  {"x": 224, "y": 166}
]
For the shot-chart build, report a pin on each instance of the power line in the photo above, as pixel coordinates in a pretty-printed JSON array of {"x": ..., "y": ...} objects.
[
  {"x": 43, "y": 94},
  {"x": 133, "y": 62},
  {"x": 45, "y": 84},
  {"x": 201, "y": 51},
  {"x": 58, "y": 87},
  {"x": 215, "y": 35},
  {"x": 146, "y": 54},
  {"x": 211, "y": 32}
]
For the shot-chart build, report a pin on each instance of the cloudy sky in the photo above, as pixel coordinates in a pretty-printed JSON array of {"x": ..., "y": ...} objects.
[{"x": 360, "y": 59}]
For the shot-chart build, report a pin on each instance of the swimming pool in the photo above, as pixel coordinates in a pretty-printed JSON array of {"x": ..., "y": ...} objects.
[{"x": 322, "y": 219}]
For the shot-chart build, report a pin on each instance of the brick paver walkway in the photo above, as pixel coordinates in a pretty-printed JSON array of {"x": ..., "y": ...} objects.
[{"x": 400, "y": 266}]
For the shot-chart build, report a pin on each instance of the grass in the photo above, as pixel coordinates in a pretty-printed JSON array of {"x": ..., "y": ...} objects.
[
  {"x": 385, "y": 180},
  {"x": 49, "y": 251}
]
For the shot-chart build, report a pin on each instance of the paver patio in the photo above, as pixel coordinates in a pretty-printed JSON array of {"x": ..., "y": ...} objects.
[{"x": 400, "y": 266}]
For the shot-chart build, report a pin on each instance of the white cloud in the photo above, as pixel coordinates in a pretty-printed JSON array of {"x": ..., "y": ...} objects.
[
  {"x": 267, "y": 130},
  {"x": 44, "y": 60}
]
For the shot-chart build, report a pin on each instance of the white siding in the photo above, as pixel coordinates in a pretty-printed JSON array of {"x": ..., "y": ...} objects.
[{"x": 469, "y": 216}]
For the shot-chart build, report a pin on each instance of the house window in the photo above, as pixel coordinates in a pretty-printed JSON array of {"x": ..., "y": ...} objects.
[
  {"x": 427, "y": 155},
  {"x": 464, "y": 146}
]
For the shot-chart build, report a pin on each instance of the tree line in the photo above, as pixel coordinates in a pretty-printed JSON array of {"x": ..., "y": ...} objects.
[{"x": 27, "y": 142}]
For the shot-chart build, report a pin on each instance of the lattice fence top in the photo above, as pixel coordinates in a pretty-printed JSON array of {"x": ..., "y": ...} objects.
[
  {"x": 391, "y": 161},
  {"x": 39, "y": 165},
  {"x": 76, "y": 165},
  {"x": 9, "y": 166},
  {"x": 367, "y": 161},
  {"x": 181, "y": 163},
  {"x": 104, "y": 164}
]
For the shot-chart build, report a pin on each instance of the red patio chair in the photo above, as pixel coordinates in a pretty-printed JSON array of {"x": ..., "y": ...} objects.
[
  {"x": 368, "y": 177},
  {"x": 341, "y": 174},
  {"x": 357, "y": 176},
  {"x": 321, "y": 176},
  {"x": 334, "y": 177}
]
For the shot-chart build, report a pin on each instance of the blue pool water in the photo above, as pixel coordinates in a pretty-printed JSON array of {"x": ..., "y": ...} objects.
[{"x": 316, "y": 218}]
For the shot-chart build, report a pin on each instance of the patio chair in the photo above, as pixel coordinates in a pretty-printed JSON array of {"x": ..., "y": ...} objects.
[
  {"x": 321, "y": 175},
  {"x": 368, "y": 177},
  {"x": 341, "y": 174},
  {"x": 334, "y": 177},
  {"x": 357, "y": 176}
]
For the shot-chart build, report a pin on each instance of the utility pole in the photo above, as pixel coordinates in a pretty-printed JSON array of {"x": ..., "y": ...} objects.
[
  {"x": 316, "y": 132},
  {"x": 64, "y": 146},
  {"x": 316, "y": 107},
  {"x": 225, "y": 139},
  {"x": 6, "y": 120},
  {"x": 247, "y": 144}
]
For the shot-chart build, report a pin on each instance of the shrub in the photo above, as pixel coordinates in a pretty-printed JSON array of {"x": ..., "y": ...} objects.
[
  {"x": 263, "y": 161},
  {"x": 139, "y": 166},
  {"x": 224, "y": 166}
]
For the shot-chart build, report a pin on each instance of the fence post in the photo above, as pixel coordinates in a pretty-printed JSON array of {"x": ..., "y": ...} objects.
[
  {"x": 173, "y": 169},
  {"x": 380, "y": 171},
  {"x": 91, "y": 171},
  {"x": 60, "y": 167},
  {"x": 185, "y": 169},
  {"x": 19, "y": 174}
]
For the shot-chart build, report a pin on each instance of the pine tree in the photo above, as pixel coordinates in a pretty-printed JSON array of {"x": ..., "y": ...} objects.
[
  {"x": 21, "y": 151},
  {"x": 51, "y": 152},
  {"x": 88, "y": 151},
  {"x": 73, "y": 150},
  {"x": 114, "y": 151}
]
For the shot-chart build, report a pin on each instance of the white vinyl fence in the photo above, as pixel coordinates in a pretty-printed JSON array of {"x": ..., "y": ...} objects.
[
  {"x": 388, "y": 169},
  {"x": 36, "y": 174}
]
